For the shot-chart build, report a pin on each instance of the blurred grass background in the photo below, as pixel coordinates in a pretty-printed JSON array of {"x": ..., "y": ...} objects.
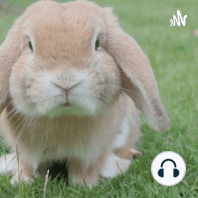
[{"x": 173, "y": 55}]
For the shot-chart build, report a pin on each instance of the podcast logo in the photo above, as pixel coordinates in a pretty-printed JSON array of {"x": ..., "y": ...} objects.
[
  {"x": 179, "y": 19},
  {"x": 168, "y": 168}
]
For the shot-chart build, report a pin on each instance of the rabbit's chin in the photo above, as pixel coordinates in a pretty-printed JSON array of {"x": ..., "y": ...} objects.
[
  {"x": 73, "y": 111},
  {"x": 41, "y": 110}
]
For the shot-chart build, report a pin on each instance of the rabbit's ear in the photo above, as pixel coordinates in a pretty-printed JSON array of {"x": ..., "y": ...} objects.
[
  {"x": 137, "y": 76},
  {"x": 10, "y": 51}
]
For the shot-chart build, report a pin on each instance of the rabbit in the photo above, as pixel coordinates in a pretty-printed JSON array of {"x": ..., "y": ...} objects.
[{"x": 72, "y": 86}]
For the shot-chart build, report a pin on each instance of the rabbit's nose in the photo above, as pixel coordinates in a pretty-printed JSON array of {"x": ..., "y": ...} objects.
[{"x": 66, "y": 89}]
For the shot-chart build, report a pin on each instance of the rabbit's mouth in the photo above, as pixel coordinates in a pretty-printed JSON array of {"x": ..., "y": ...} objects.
[{"x": 67, "y": 104}]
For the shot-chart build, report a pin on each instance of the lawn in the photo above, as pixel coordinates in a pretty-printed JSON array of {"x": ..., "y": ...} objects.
[{"x": 173, "y": 55}]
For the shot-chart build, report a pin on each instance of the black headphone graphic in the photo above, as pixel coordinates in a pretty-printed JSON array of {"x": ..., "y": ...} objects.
[{"x": 175, "y": 171}]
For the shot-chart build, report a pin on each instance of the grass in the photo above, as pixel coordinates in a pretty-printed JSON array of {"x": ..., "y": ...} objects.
[{"x": 173, "y": 55}]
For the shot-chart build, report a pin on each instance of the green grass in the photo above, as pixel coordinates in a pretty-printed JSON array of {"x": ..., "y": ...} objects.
[{"x": 173, "y": 55}]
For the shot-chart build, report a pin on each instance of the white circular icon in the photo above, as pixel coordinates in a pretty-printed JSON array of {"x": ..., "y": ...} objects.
[{"x": 168, "y": 168}]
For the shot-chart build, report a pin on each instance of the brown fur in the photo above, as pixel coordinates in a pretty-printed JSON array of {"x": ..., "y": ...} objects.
[{"x": 126, "y": 153}]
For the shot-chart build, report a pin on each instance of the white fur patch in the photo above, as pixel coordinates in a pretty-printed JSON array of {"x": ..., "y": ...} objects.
[
  {"x": 121, "y": 138},
  {"x": 8, "y": 164},
  {"x": 109, "y": 170},
  {"x": 47, "y": 84},
  {"x": 114, "y": 166},
  {"x": 122, "y": 164}
]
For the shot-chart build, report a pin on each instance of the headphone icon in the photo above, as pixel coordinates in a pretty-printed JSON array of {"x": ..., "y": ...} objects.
[{"x": 175, "y": 170}]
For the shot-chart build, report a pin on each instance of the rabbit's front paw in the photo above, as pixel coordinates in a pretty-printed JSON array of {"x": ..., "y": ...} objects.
[
  {"x": 118, "y": 162},
  {"x": 83, "y": 175},
  {"x": 88, "y": 180},
  {"x": 114, "y": 166},
  {"x": 17, "y": 178},
  {"x": 8, "y": 164},
  {"x": 20, "y": 170}
]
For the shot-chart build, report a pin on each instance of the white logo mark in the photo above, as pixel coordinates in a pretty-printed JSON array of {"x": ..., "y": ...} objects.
[
  {"x": 178, "y": 19},
  {"x": 168, "y": 168}
]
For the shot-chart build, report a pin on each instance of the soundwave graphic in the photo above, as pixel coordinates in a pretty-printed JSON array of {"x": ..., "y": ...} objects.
[{"x": 178, "y": 19}]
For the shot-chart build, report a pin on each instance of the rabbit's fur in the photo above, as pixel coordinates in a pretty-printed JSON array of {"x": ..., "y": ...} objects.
[{"x": 61, "y": 97}]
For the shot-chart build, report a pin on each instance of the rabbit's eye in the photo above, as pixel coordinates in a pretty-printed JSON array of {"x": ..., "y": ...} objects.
[
  {"x": 30, "y": 46},
  {"x": 97, "y": 44}
]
